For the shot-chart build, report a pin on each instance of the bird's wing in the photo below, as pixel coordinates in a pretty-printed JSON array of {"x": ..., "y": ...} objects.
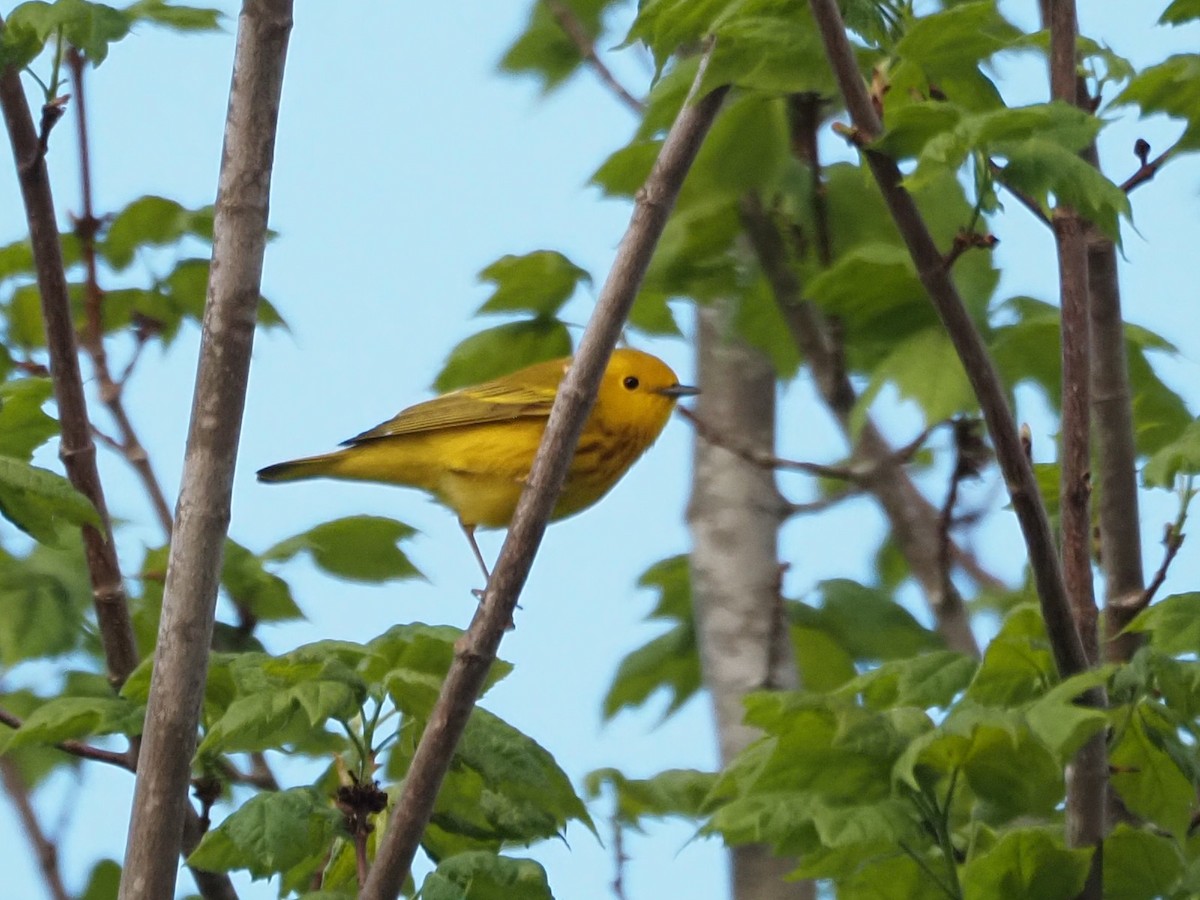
[{"x": 501, "y": 400}]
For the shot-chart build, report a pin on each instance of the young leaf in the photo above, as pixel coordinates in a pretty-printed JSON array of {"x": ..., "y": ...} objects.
[
  {"x": 64, "y": 718},
  {"x": 38, "y": 501},
  {"x": 675, "y": 792},
  {"x": 270, "y": 833},
  {"x": 151, "y": 221},
  {"x": 1145, "y": 776},
  {"x": 252, "y": 587},
  {"x": 480, "y": 875},
  {"x": 23, "y": 425},
  {"x": 1172, "y": 88},
  {"x": 545, "y": 50},
  {"x": 1173, "y": 623},
  {"x": 539, "y": 283},
  {"x": 1028, "y": 862},
  {"x": 358, "y": 548},
  {"x": 1140, "y": 864},
  {"x": 501, "y": 350}
]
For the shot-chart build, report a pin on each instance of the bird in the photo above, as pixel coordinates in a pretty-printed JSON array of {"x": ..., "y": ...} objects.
[{"x": 472, "y": 448}]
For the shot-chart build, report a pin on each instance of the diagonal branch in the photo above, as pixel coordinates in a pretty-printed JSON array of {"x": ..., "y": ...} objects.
[
  {"x": 476, "y": 650},
  {"x": 573, "y": 29},
  {"x": 76, "y": 448},
  {"x": 78, "y": 748},
  {"x": 189, "y": 597},
  {"x": 1018, "y": 475}
]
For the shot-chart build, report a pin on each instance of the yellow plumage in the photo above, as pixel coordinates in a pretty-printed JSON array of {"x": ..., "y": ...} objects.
[{"x": 472, "y": 448}]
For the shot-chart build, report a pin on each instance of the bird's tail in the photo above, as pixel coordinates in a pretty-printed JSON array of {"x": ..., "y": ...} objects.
[{"x": 299, "y": 469}]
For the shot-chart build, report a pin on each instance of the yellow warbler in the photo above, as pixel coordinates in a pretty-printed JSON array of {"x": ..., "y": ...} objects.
[{"x": 472, "y": 448}]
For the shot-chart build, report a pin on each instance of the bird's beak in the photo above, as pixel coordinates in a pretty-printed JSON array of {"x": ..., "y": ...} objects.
[{"x": 678, "y": 390}]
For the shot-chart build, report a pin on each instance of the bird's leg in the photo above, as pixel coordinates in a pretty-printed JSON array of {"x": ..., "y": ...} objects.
[{"x": 469, "y": 531}]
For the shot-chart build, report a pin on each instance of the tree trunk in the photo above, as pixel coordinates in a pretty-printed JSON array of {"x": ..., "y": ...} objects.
[{"x": 734, "y": 515}]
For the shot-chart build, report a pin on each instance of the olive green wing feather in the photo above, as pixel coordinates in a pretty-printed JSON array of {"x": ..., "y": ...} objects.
[{"x": 525, "y": 394}]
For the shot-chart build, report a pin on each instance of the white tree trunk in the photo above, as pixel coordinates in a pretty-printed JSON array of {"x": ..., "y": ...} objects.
[{"x": 734, "y": 515}]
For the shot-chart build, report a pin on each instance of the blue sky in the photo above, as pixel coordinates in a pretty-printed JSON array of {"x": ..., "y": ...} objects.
[{"x": 405, "y": 164}]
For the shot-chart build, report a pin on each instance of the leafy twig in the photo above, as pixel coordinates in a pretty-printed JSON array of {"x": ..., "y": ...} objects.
[
  {"x": 476, "y": 650},
  {"x": 573, "y": 29},
  {"x": 193, "y": 568},
  {"x": 86, "y": 228},
  {"x": 78, "y": 748},
  {"x": 993, "y": 399},
  {"x": 76, "y": 448}
]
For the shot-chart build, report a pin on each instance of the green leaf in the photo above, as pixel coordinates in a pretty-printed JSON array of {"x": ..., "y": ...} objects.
[
  {"x": 1060, "y": 718},
  {"x": 1173, "y": 623},
  {"x": 897, "y": 878},
  {"x": 771, "y": 46},
  {"x": 932, "y": 679},
  {"x": 178, "y": 18},
  {"x": 823, "y": 662},
  {"x": 480, "y": 875},
  {"x": 675, "y": 792},
  {"x": 38, "y": 501},
  {"x": 66, "y": 718},
  {"x": 1179, "y": 457},
  {"x": 151, "y": 221},
  {"x": 1028, "y": 862},
  {"x": 358, "y": 548},
  {"x": 284, "y": 700},
  {"x": 501, "y": 350},
  {"x": 962, "y": 35},
  {"x": 870, "y": 623},
  {"x": 104, "y": 881},
  {"x": 924, "y": 368},
  {"x": 250, "y": 586},
  {"x": 23, "y": 425},
  {"x": 545, "y": 50},
  {"x": 519, "y": 769},
  {"x": 651, "y": 314},
  {"x": 1172, "y": 88},
  {"x": 1145, "y": 776},
  {"x": 43, "y": 600},
  {"x": 668, "y": 662},
  {"x": 1040, "y": 167},
  {"x": 270, "y": 833},
  {"x": 1140, "y": 864},
  {"x": 539, "y": 283},
  {"x": 89, "y": 26},
  {"x": 1179, "y": 12},
  {"x": 625, "y": 170},
  {"x": 666, "y": 25},
  {"x": 1017, "y": 665},
  {"x": 759, "y": 321}
]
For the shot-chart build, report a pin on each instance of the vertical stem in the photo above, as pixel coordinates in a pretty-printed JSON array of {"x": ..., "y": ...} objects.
[
  {"x": 193, "y": 569},
  {"x": 76, "y": 448},
  {"x": 1087, "y": 784}
]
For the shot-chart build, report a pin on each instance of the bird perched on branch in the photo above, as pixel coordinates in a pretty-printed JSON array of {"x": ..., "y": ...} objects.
[{"x": 472, "y": 449}]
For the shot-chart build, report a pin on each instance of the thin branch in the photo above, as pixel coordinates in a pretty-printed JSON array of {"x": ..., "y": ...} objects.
[
  {"x": 857, "y": 474},
  {"x": 193, "y": 568},
  {"x": 1149, "y": 167},
  {"x": 824, "y": 503},
  {"x": 993, "y": 399},
  {"x": 1172, "y": 541},
  {"x": 573, "y": 29},
  {"x": 44, "y": 849},
  {"x": 86, "y": 228},
  {"x": 78, "y": 748},
  {"x": 1023, "y": 198},
  {"x": 476, "y": 650},
  {"x": 619, "y": 859},
  {"x": 76, "y": 448}
]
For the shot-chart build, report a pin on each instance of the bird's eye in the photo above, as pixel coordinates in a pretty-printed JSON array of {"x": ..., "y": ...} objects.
[{"x": 630, "y": 382}]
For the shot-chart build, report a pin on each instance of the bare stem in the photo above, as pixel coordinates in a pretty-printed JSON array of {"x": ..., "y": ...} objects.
[
  {"x": 193, "y": 569},
  {"x": 583, "y": 42},
  {"x": 44, "y": 849},
  {"x": 76, "y": 448},
  {"x": 476, "y": 650},
  {"x": 1018, "y": 475},
  {"x": 86, "y": 228}
]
